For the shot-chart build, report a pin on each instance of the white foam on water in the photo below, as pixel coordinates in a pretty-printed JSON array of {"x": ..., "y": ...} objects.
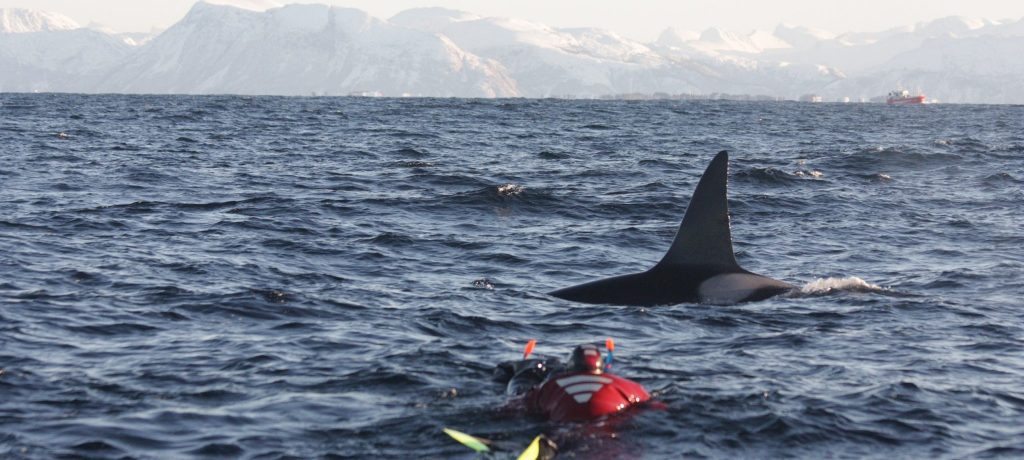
[
  {"x": 815, "y": 174},
  {"x": 829, "y": 285},
  {"x": 510, "y": 189}
]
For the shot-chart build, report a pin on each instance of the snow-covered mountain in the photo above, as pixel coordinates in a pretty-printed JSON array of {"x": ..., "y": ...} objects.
[
  {"x": 953, "y": 59},
  {"x": 260, "y": 47},
  {"x": 49, "y": 52},
  {"x": 544, "y": 61},
  {"x": 301, "y": 50},
  {"x": 586, "y": 62},
  {"x": 973, "y": 69}
]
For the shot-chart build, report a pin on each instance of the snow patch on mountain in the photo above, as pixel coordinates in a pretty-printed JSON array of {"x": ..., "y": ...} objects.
[
  {"x": 676, "y": 38},
  {"x": 953, "y": 26},
  {"x": 765, "y": 40},
  {"x": 801, "y": 37},
  {"x": 252, "y": 5},
  {"x": 431, "y": 19},
  {"x": 715, "y": 39},
  {"x": 20, "y": 21}
]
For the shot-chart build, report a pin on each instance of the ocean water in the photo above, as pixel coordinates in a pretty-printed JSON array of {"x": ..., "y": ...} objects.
[{"x": 241, "y": 277}]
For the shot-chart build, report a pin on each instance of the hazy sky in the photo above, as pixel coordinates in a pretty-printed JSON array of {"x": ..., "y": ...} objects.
[{"x": 638, "y": 19}]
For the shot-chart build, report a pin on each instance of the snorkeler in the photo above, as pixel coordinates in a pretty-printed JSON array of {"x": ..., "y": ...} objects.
[{"x": 579, "y": 390}]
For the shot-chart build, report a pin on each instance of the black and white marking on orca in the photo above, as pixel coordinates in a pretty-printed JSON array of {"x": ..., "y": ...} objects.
[{"x": 699, "y": 266}]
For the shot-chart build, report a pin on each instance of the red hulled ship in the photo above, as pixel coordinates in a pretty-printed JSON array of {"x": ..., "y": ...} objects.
[{"x": 904, "y": 97}]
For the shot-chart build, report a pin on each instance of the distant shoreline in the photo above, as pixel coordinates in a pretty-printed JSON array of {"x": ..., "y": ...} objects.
[{"x": 614, "y": 97}]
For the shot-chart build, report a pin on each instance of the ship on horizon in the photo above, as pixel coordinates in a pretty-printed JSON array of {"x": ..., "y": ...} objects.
[{"x": 902, "y": 96}]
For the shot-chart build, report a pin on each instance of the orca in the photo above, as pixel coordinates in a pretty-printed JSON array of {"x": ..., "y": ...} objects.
[{"x": 699, "y": 267}]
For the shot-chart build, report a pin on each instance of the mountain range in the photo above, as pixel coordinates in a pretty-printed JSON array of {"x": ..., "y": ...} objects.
[{"x": 324, "y": 50}]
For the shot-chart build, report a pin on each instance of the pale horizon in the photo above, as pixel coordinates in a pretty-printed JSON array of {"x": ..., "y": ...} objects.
[{"x": 642, "y": 21}]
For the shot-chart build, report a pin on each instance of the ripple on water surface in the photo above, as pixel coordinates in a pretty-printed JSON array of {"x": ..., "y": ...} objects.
[{"x": 252, "y": 277}]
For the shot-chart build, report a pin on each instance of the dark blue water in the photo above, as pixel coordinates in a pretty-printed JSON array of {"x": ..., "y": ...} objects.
[{"x": 336, "y": 277}]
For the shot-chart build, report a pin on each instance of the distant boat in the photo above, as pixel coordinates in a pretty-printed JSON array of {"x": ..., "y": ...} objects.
[{"x": 903, "y": 97}]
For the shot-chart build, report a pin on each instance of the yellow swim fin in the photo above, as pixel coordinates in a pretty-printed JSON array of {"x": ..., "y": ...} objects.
[
  {"x": 532, "y": 451},
  {"x": 477, "y": 444}
]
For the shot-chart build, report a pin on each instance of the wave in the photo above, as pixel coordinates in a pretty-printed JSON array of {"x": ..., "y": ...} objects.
[
  {"x": 504, "y": 195},
  {"x": 963, "y": 144},
  {"x": 658, "y": 163},
  {"x": 145, "y": 206},
  {"x": 412, "y": 164},
  {"x": 410, "y": 152},
  {"x": 1000, "y": 179},
  {"x": 876, "y": 177},
  {"x": 552, "y": 155},
  {"x": 777, "y": 176},
  {"x": 113, "y": 329},
  {"x": 390, "y": 239},
  {"x": 895, "y": 157}
]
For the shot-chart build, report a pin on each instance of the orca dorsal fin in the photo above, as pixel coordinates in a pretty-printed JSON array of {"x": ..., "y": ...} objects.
[{"x": 704, "y": 237}]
